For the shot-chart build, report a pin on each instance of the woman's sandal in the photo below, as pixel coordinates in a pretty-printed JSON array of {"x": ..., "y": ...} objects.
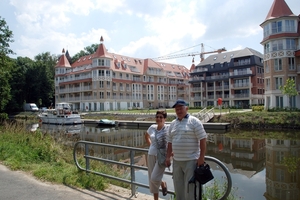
[{"x": 164, "y": 189}]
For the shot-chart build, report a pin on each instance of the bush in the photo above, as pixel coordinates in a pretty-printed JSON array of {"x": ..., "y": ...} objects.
[
  {"x": 3, "y": 116},
  {"x": 257, "y": 108}
]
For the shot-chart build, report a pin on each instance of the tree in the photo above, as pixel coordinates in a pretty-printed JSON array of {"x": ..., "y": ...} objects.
[
  {"x": 87, "y": 51},
  {"x": 6, "y": 36},
  {"x": 289, "y": 89}
]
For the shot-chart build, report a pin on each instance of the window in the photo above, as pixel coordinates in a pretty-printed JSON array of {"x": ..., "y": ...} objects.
[
  {"x": 266, "y": 31},
  {"x": 279, "y": 101},
  {"x": 100, "y": 62},
  {"x": 277, "y": 45},
  {"x": 107, "y": 84},
  {"x": 108, "y": 95},
  {"x": 101, "y": 84},
  {"x": 267, "y": 48},
  {"x": 267, "y": 84},
  {"x": 278, "y": 82},
  {"x": 278, "y": 64},
  {"x": 290, "y": 25},
  {"x": 290, "y": 44},
  {"x": 291, "y": 63},
  {"x": 276, "y": 27},
  {"x": 101, "y": 95}
]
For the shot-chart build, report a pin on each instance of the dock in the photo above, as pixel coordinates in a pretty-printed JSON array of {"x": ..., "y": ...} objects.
[{"x": 209, "y": 127}]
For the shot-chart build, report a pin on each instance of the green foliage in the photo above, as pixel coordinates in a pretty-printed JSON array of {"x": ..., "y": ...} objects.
[
  {"x": 87, "y": 51},
  {"x": 32, "y": 81},
  {"x": 289, "y": 89},
  {"x": 291, "y": 162},
  {"x": 258, "y": 108},
  {"x": 3, "y": 116},
  {"x": 263, "y": 120},
  {"x": 45, "y": 158},
  {"x": 6, "y": 36}
]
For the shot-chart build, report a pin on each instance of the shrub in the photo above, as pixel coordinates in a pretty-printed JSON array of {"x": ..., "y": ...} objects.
[{"x": 257, "y": 108}]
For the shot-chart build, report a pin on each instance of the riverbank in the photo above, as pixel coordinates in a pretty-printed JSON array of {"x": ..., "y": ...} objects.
[
  {"x": 238, "y": 119},
  {"x": 260, "y": 120},
  {"x": 245, "y": 119}
]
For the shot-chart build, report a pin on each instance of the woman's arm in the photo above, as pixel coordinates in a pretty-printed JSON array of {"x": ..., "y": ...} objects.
[{"x": 147, "y": 138}]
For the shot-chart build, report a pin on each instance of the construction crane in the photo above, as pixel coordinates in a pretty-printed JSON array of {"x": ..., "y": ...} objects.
[{"x": 167, "y": 57}]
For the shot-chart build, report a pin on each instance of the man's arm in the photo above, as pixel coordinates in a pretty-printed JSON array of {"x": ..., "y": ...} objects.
[{"x": 202, "y": 151}]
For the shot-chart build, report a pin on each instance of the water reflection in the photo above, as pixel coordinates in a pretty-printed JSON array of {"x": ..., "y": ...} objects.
[{"x": 260, "y": 168}]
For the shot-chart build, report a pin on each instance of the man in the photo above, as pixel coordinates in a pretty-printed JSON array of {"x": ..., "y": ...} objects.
[{"x": 187, "y": 142}]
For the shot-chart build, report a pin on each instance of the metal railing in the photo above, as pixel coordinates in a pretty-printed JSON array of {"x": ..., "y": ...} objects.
[
  {"x": 205, "y": 115},
  {"x": 132, "y": 166}
]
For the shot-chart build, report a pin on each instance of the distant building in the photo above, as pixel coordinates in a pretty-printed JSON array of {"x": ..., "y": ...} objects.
[
  {"x": 108, "y": 81},
  {"x": 236, "y": 77},
  {"x": 281, "y": 41}
]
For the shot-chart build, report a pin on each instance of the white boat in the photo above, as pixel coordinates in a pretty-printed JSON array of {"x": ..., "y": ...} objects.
[{"x": 62, "y": 114}]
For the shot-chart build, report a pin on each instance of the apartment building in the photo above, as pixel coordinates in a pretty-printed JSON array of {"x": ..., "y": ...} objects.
[
  {"x": 281, "y": 41},
  {"x": 106, "y": 81},
  {"x": 237, "y": 77}
]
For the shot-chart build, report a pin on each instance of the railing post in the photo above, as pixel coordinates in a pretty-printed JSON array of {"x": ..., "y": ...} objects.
[
  {"x": 87, "y": 160},
  {"x": 132, "y": 172}
]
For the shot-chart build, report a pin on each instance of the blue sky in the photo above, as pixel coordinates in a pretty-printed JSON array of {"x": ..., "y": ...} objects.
[{"x": 137, "y": 28}]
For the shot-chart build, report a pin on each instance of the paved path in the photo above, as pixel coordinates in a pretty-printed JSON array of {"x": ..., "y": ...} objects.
[{"x": 18, "y": 185}]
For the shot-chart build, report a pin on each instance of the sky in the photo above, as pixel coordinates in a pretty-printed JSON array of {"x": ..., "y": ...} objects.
[{"x": 137, "y": 28}]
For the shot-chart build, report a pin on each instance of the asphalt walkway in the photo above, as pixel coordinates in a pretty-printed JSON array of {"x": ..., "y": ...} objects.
[{"x": 18, "y": 185}]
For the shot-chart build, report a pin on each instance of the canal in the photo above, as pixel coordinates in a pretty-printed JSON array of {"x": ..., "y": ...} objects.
[{"x": 260, "y": 166}]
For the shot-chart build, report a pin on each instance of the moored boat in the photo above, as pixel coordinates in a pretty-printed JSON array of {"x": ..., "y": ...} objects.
[
  {"x": 62, "y": 114},
  {"x": 106, "y": 123}
]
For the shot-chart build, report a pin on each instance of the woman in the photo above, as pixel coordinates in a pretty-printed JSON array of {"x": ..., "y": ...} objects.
[{"x": 156, "y": 138}]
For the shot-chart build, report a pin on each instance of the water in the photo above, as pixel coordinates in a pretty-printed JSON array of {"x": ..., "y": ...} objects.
[{"x": 256, "y": 165}]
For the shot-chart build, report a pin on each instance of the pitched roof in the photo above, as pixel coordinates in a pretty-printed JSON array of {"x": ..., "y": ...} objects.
[
  {"x": 227, "y": 56},
  {"x": 63, "y": 61},
  {"x": 101, "y": 50},
  {"x": 279, "y": 8}
]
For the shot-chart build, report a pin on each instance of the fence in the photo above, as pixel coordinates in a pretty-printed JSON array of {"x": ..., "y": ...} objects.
[{"x": 132, "y": 166}]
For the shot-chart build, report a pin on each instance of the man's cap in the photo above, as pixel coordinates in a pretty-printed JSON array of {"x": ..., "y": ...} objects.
[{"x": 180, "y": 102}]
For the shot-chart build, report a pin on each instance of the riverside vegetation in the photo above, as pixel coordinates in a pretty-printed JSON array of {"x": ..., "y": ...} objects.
[{"x": 47, "y": 158}]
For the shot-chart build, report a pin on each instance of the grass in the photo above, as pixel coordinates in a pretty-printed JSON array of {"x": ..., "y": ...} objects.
[
  {"x": 272, "y": 120},
  {"x": 47, "y": 159}
]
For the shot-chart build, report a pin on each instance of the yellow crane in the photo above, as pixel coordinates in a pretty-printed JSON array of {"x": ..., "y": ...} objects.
[{"x": 171, "y": 56}]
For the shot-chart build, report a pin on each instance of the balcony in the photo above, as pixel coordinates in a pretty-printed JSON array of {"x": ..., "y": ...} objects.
[
  {"x": 197, "y": 98},
  {"x": 181, "y": 91},
  {"x": 241, "y": 73},
  {"x": 210, "y": 97},
  {"x": 77, "y": 98},
  {"x": 217, "y": 77},
  {"x": 210, "y": 88},
  {"x": 241, "y": 85},
  {"x": 136, "y": 79},
  {"x": 242, "y": 62},
  {"x": 85, "y": 88},
  {"x": 156, "y": 73},
  {"x": 197, "y": 89},
  {"x": 196, "y": 79},
  {"x": 236, "y": 96},
  {"x": 200, "y": 70}
]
